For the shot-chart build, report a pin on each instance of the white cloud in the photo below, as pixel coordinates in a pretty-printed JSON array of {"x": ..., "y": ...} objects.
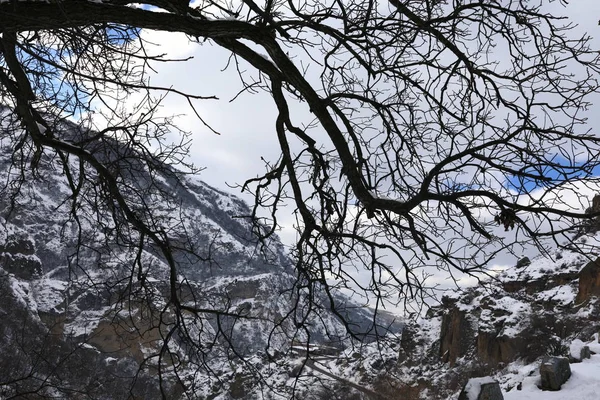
[{"x": 247, "y": 124}]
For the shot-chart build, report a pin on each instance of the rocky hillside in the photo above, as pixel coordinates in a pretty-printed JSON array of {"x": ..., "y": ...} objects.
[
  {"x": 504, "y": 327},
  {"x": 84, "y": 298}
]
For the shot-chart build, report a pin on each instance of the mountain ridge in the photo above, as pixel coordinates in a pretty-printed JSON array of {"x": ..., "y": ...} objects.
[{"x": 94, "y": 294}]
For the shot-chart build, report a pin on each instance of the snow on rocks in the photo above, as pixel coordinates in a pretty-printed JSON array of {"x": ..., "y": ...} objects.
[
  {"x": 486, "y": 388},
  {"x": 504, "y": 328},
  {"x": 554, "y": 371},
  {"x": 578, "y": 351},
  {"x": 582, "y": 385}
]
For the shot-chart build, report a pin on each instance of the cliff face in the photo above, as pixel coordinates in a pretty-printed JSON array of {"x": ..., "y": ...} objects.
[
  {"x": 534, "y": 309},
  {"x": 84, "y": 309},
  {"x": 589, "y": 282}
]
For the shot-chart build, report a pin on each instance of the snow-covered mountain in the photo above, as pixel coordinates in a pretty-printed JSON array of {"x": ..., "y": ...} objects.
[
  {"x": 85, "y": 300},
  {"x": 84, "y": 297},
  {"x": 546, "y": 306}
]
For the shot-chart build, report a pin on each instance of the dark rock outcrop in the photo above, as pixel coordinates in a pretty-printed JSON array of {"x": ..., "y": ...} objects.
[
  {"x": 532, "y": 286},
  {"x": 589, "y": 281},
  {"x": 493, "y": 349},
  {"x": 554, "y": 371},
  {"x": 17, "y": 256},
  {"x": 481, "y": 389},
  {"x": 23, "y": 266},
  {"x": 523, "y": 262},
  {"x": 593, "y": 224},
  {"x": 14, "y": 245},
  {"x": 456, "y": 335}
]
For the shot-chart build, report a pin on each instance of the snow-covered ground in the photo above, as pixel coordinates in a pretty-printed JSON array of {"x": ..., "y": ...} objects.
[{"x": 584, "y": 383}]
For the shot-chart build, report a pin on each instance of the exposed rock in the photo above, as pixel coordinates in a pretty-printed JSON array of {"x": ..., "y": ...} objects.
[
  {"x": 23, "y": 266},
  {"x": 18, "y": 246},
  {"x": 585, "y": 353},
  {"x": 17, "y": 256},
  {"x": 244, "y": 289},
  {"x": 408, "y": 343},
  {"x": 238, "y": 388},
  {"x": 593, "y": 224},
  {"x": 494, "y": 350},
  {"x": 486, "y": 388},
  {"x": 523, "y": 262},
  {"x": 554, "y": 371},
  {"x": 55, "y": 322},
  {"x": 589, "y": 281},
  {"x": 456, "y": 335},
  {"x": 121, "y": 338},
  {"x": 532, "y": 286},
  {"x": 595, "y": 204},
  {"x": 296, "y": 371}
]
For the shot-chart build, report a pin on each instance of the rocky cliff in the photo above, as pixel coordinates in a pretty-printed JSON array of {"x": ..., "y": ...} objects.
[{"x": 538, "y": 307}]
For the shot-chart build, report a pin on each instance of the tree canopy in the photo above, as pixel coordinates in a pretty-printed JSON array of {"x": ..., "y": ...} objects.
[{"x": 437, "y": 125}]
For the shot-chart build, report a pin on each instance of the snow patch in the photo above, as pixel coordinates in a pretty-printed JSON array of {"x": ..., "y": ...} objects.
[
  {"x": 582, "y": 385},
  {"x": 563, "y": 295},
  {"x": 575, "y": 348},
  {"x": 473, "y": 387}
]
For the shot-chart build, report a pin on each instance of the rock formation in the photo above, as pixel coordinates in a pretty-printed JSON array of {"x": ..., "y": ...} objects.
[
  {"x": 486, "y": 388},
  {"x": 536, "y": 309},
  {"x": 589, "y": 281},
  {"x": 554, "y": 371}
]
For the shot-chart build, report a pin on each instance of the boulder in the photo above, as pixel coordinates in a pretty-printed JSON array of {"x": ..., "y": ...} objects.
[
  {"x": 554, "y": 371},
  {"x": 589, "y": 281},
  {"x": 585, "y": 353},
  {"x": 486, "y": 388},
  {"x": 523, "y": 262}
]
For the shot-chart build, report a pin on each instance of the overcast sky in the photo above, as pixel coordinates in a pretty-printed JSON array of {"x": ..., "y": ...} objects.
[{"x": 246, "y": 125}]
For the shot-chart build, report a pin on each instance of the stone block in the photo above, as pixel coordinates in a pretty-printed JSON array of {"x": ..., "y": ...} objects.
[
  {"x": 486, "y": 388},
  {"x": 554, "y": 371},
  {"x": 585, "y": 353}
]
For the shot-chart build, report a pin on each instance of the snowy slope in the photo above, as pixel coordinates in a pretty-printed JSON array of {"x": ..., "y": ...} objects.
[
  {"x": 95, "y": 302},
  {"x": 584, "y": 383},
  {"x": 503, "y": 327}
]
